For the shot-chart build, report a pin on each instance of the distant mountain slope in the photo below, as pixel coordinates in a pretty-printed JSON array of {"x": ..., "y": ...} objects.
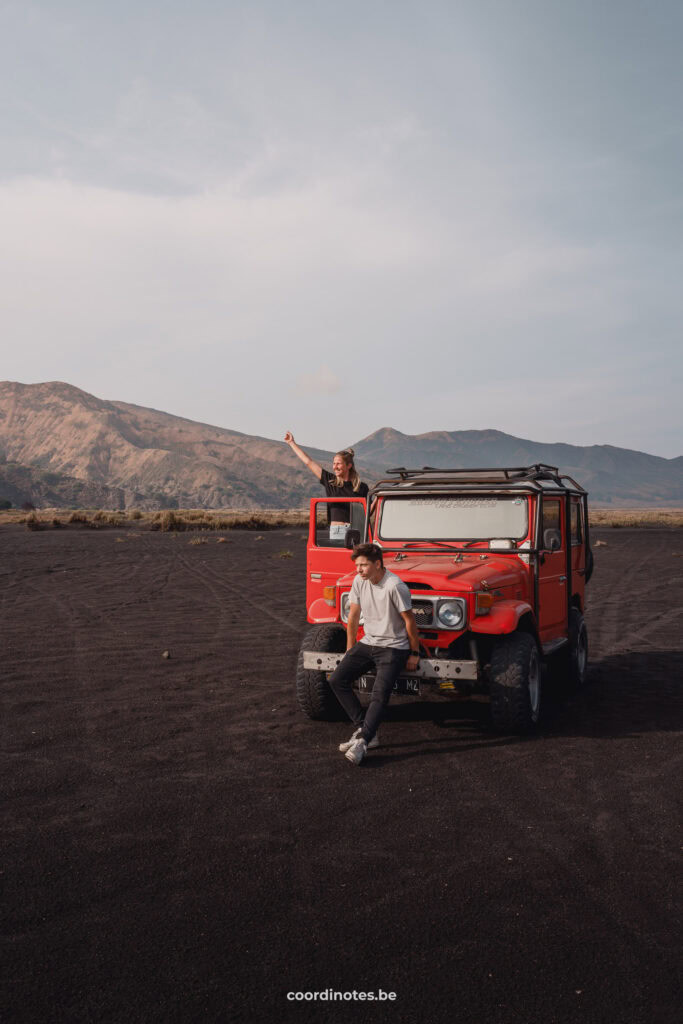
[
  {"x": 611, "y": 475},
  {"x": 154, "y": 458},
  {"x": 70, "y": 448},
  {"x": 44, "y": 489}
]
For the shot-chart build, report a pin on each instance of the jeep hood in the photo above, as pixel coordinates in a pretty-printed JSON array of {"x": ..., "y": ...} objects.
[{"x": 445, "y": 574}]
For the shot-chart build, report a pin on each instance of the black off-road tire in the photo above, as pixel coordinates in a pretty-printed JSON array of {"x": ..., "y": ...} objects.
[
  {"x": 313, "y": 692},
  {"x": 573, "y": 657},
  {"x": 515, "y": 683}
]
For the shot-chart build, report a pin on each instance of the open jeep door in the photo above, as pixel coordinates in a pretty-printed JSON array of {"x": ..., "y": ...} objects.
[
  {"x": 552, "y": 572},
  {"x": 327, "y": 556}
]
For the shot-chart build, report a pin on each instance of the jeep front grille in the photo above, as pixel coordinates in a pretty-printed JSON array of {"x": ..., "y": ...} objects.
[{"x": 423, "y": 612}]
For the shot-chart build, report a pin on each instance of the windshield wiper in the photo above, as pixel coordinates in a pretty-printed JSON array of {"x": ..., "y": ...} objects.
[{"x": 440, "y": 543}]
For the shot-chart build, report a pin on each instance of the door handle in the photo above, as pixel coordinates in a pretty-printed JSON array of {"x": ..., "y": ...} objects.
[{"x": 563, "y": 579}]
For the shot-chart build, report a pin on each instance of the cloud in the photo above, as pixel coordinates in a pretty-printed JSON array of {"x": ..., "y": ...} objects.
[
  {"x": 218, "y": 305},
  {"x": 321, "y": 382}
]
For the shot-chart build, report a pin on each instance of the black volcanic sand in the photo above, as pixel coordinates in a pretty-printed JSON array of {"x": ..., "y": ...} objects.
[{"x": 179, "y": 843}]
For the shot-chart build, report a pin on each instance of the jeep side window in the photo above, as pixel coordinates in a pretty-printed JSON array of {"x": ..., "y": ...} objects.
[
  {"x": 551, "y": 525},
  {"x": 576, "y": 530},
  {"x": 322, "y": 520},
  {"x": 357, "y": 517},
  {"x": 325, "y": 537}
]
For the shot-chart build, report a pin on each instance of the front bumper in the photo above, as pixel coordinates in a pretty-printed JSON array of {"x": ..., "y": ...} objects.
[{"x": 435, "y": 670}]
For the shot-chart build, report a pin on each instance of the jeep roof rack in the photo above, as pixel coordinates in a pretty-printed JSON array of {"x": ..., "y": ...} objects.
[{"x": 529, "y": 478}]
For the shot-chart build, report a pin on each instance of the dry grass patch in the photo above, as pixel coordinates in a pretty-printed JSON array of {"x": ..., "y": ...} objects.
[
  {"x": 636, "y": 517},
  {"x": 207, "y": 519},
  {"x": 166, "y": 520},
  {"x": 11, "y": 516},
  {"x": 102, "y": 518},
  {"x": 34, "y": 522},
  {"x": 198, "y": 540}
]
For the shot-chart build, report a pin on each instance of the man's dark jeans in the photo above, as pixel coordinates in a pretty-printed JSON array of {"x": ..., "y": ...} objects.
[{"x": 388, "y": 662}]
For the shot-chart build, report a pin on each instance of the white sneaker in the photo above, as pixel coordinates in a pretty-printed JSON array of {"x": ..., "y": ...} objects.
[
  {"x": 374, "y": 742},
  {"x": 356, "y": 751}
]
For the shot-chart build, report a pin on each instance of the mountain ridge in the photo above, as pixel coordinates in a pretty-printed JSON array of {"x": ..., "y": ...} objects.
[{"x": 135, "y": 455}]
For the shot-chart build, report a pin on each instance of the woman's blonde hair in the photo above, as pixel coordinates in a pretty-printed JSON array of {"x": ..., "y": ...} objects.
[{"x": 347, "y": 456}]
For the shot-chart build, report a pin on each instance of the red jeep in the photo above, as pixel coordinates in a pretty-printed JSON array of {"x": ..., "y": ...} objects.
[{"x": 496, "y": 560}]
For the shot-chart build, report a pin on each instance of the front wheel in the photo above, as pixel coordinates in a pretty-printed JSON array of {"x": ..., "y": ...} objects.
[
  {"x": 313, "y": 692},
  {"x": 515, "y": 683}
]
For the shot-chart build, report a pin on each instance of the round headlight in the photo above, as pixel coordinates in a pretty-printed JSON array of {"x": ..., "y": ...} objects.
[
  {"x": 345, "y": 606},
  {"x": 451, "y": 614}
]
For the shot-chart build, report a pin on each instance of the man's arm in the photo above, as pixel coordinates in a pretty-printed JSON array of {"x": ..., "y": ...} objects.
[
  {"x": 306, "y": 459},
  {"x": 411, "y": 628},
  {"x": 352, "y": 625}
]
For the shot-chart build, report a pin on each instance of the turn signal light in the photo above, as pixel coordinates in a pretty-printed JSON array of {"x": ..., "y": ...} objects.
[
  {"x": 484, "y": 603},
  {"x": 330, "y": 595}
]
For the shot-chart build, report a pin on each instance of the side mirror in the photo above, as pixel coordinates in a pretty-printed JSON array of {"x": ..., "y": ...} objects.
[
  {"x": 351, "y": 538},
  {"x": 552, "y": 540}
]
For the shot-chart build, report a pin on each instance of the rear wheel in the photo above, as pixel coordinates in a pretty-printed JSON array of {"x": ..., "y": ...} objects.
[
  {"x": 574, "y": 655},
  {"x": 313, "y": 692},
  {"x": 515, "y": 683}
]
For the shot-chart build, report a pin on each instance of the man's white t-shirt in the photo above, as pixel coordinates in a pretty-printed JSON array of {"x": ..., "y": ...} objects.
[{"x": 381, "y": 604}]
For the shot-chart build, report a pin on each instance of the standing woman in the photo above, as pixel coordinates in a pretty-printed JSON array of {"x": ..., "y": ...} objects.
[{"x": 342, "y": 482}]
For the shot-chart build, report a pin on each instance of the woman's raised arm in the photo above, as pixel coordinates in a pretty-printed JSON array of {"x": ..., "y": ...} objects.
[{"x": 306, "y": 459}]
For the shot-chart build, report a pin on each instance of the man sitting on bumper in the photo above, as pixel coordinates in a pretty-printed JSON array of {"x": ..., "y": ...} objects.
[{"x": 389, "y": 645}]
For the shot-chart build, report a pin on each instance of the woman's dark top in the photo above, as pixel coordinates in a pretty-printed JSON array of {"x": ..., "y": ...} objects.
[{"x": 340, "y": 513}]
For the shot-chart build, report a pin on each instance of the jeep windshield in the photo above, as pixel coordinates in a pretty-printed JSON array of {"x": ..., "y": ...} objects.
[{"x": 448, "y": 517}]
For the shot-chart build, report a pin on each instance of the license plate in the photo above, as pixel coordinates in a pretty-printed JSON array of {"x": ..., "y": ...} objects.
[{"x": 408, "y": 685}]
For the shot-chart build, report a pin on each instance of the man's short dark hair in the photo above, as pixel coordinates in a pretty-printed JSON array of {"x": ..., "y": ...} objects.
[{"x": 370, "y": 551}]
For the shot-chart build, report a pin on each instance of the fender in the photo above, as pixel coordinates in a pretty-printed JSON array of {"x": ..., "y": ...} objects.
[
  {"x": 320, "y": 611},
  {"x": 503, "y": 618}
]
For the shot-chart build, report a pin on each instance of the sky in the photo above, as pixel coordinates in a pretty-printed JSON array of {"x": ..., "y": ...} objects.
[{"x": 331, "y": 218}]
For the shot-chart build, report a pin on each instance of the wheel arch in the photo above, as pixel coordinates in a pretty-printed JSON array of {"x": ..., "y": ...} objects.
[
  {"x": 527, "y": 624},
  {"x": 506, "y": 617}
]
